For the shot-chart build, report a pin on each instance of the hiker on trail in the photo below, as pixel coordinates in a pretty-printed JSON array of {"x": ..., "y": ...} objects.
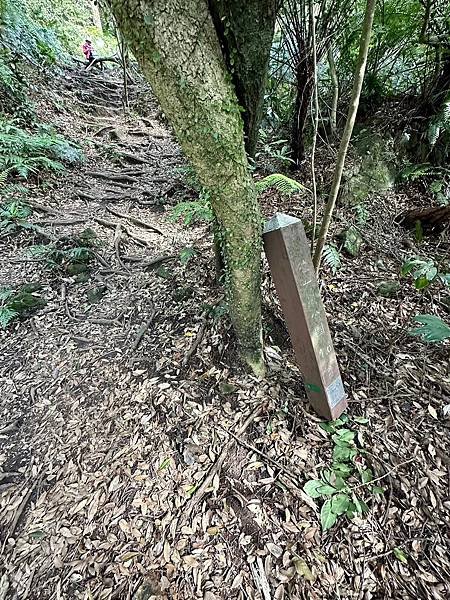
[{"x": 88, "y": 51}]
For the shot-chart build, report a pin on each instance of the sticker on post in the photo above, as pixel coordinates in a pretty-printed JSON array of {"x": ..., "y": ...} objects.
[{"x": 335, "y": 392}]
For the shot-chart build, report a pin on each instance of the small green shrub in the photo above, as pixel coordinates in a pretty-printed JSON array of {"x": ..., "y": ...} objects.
[
  {"x": 347, "y": 484},
  {"x": 70, "y": 260},
  {"x": 424, "y": 272},
  {"x": 193, "y": 211},
  {"x": 19, "y": 303},
  {"x": 13, "y": 217},
  {"x": 23, "y": 153},
  {"x": 332, "y": 258}
]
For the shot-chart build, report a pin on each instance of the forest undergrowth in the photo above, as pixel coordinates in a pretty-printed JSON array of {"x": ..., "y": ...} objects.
[{"x": 137, "y": 459}]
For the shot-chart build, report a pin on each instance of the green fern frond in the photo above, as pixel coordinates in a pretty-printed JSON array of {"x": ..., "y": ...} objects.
[
  {"x": 3, "y": 177},
  {"x": 432, "y": 329},
  {"x": 192, "y": 211},
  {"x": 6, "y": 316},
  {"x": 332, "y": 258},
  {"x": 285, "y": 185}
]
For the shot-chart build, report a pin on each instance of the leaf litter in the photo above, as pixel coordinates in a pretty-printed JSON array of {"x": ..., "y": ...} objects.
[{"x": 132, "y": 475}]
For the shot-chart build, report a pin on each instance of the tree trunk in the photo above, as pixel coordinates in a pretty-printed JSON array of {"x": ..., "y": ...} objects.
[
  {"x": 345, "y": 141},
  {"x": 96, "y": 15},
  {"x": 304, "y": 89},
  {"x": 335, "y": 89},
  {"x": 245, "y": 32},
  {"x": 178, "y": 49}
]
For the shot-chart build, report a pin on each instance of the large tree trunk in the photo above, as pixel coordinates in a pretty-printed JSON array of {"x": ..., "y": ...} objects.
[
  {"x": 96, "y": 15},
  {"x": 178, "y": 49},
  {"x": 245, "y": 30},
  {"x": 304, "y": 89}
]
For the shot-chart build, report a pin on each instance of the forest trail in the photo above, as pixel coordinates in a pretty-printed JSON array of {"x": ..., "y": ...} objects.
[{"x": 134, "y": 470}]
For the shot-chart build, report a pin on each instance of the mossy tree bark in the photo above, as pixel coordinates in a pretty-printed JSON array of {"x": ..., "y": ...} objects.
[
  {"x": 245, "y": 30},
  {"x": 177, "y": 46}
]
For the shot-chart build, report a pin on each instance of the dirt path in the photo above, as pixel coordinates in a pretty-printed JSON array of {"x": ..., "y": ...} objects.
[{"x": 126, "y": 471}]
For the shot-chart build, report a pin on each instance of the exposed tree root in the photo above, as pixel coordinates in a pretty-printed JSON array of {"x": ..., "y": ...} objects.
[{"x": 134, "y": 220}]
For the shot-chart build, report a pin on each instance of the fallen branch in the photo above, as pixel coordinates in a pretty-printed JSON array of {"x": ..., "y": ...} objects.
[
  {"x": 20, "y": 509},
  {"x": 60, "y": 222},
  {"x": 134, "y": 220},
  {"x": 142, "y": 329},
  {"x": 100, "y": 61},
  {"x": 41, "y": 208},
  {"x": 134, "y": 158}
]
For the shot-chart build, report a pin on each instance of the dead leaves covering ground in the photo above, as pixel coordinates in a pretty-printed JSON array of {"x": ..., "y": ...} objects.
[{"x": 108, "y": 447}]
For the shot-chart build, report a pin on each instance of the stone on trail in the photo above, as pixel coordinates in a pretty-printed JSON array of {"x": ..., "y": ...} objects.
[
  {"x": 388, "y": 289},
  {"x": 352, "y": 240}
]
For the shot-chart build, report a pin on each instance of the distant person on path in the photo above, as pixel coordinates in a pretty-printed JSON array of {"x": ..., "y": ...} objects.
[{"x": 88, "y": 51}]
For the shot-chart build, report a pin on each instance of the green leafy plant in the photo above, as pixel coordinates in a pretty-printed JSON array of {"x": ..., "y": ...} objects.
[
  {"x": 277, "y": 150},
  {"x": 441, "y": 191},
  {"x": 72, "y": 261},
  {"x": 432, "y": 329},
  {"x": 362, "y": 214},
  {"x": 194, "y": 211},
  {"x": 13, "y": 217},
  {"x": 285, "y": 185},
  {"x": 345, "y": 484},
  {"x": 332, "y": 258},
  {"x": 19, "y": 303},
  {"x": 415, "y": 172},
  {"x": 23, "y": 153},
  {"x": 187, "y": 254},
  {"x": 424, "y": 272}
]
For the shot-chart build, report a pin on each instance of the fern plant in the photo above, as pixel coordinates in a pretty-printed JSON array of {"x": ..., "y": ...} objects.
[
  {"x": 23, "y": 153},
  {"x": 332, "y": 258},
  {"x": 13, "y": 216},
  {"x": 65, "y": 259},
  {"x": 193, "y": 211},
  {"x": 20, "y": 303},
  {"x": 285, "y": 185},
  {"x": 440, "y": 124},
  {"x": 432, "y": 329}
]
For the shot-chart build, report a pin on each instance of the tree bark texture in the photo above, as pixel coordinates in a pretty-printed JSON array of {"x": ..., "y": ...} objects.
[
  {"x": 177, "y": 46},
  {"x": 245, "y": 30}
]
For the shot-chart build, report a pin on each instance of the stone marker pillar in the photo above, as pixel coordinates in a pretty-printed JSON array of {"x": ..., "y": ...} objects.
[{"x": 287, "y": 250}]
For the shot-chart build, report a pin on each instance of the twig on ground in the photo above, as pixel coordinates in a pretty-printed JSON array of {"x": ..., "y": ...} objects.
[
  {"x": 198, "y": 338},
  {"x": 20, "y": 509},
  {"x": 117, "y": 238},
  {"x": 142, "y": 329},
  {"x": 75, "y": 221},
  {"x": 112, "y": 177},
  {"x": 356, "y": 487}
]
